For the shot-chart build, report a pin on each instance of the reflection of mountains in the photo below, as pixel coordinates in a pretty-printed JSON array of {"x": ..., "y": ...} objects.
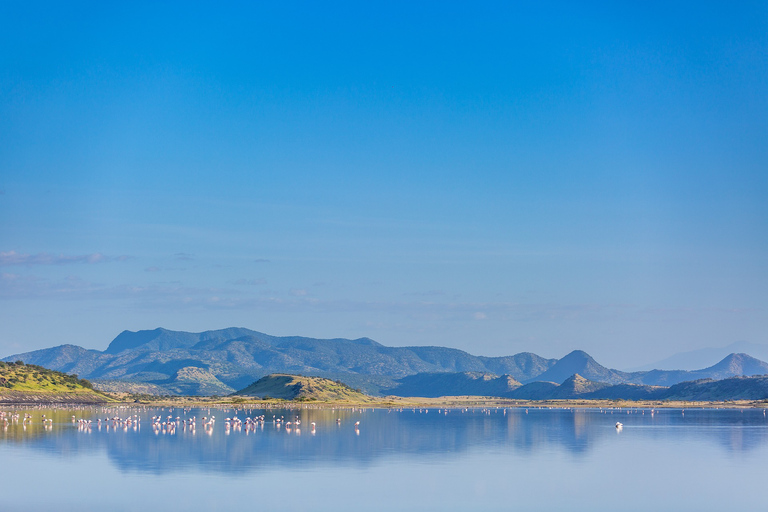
[{"x": 391, "y": 434}]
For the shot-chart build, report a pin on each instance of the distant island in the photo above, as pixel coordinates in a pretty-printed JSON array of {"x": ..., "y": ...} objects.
[{"x": 231, "y": 361}]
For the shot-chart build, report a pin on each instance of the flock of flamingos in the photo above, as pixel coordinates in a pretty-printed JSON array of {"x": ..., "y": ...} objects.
[{"x": 170, "y": 424}]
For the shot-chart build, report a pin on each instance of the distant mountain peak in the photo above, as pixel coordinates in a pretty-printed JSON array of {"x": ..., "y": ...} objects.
[
  {"x": 128, "y": 340},
  {"x": 739, "y": 364},
  {"x": 582, "y": 364},
  {"x": 576, "y": 381},
  {"x": 740, "y": 356},
  {"x": 578, "y": 355},
  {"x": 367, "y": 341},
  {"x": 165, "y": 339}
]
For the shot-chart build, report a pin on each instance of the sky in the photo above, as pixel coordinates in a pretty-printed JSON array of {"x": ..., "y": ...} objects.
[{"x": 499, "y": 178}]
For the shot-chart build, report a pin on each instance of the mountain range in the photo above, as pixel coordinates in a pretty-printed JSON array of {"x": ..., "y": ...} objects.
[
  {"x": 223, "y": 361},
  {"x": 577, "y": 387}
]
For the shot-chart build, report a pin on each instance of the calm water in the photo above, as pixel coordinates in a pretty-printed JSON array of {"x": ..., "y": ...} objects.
[{"x": 474, "y": 459}]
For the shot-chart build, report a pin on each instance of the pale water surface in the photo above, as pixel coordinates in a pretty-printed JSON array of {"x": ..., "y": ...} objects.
[{"x": 475, "y": 459}]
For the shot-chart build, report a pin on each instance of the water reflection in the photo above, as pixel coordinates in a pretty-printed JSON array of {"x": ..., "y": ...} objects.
[{"x": 157, "y": 440}]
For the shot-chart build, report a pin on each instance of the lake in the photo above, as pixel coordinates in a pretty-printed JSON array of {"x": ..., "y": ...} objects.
[{"x": 411, "y": 459}]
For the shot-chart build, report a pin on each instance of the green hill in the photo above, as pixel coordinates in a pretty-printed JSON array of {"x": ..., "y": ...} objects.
[
  {"x": 21, "y": 382},
  {"x": 297, "y": 387}
]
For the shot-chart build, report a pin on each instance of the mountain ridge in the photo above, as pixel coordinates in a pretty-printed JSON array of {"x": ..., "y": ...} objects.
[
  {"x": 155, "y": 356},
  {"x": 221, "y": 361}
]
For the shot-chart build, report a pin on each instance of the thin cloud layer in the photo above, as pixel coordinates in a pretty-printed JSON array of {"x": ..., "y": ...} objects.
[{"x": 13, "y": 258}]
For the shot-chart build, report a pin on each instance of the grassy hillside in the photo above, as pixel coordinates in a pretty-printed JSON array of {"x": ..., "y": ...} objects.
[
  {"x": 297, "y": 387},
  {"x": 21, "y": 382}
]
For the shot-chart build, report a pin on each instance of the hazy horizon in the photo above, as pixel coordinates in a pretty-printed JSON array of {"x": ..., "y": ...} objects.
[{"x": 496, "y": 178}]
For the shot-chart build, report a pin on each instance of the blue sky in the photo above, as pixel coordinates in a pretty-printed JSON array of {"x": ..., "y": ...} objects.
[{"x": 498, "y": 178}]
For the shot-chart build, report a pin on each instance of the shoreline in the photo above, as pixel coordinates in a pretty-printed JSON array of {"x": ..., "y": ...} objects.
[
  {"x": 14, "y": 397},
  {"x": 390, "y": 402}
]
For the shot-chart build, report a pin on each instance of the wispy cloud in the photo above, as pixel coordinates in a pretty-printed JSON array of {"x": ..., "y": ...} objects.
[
  {"x": 18, "y": 286},
  {"x": 13, "y": 258},
  {"x": 183, "y": 256}
]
